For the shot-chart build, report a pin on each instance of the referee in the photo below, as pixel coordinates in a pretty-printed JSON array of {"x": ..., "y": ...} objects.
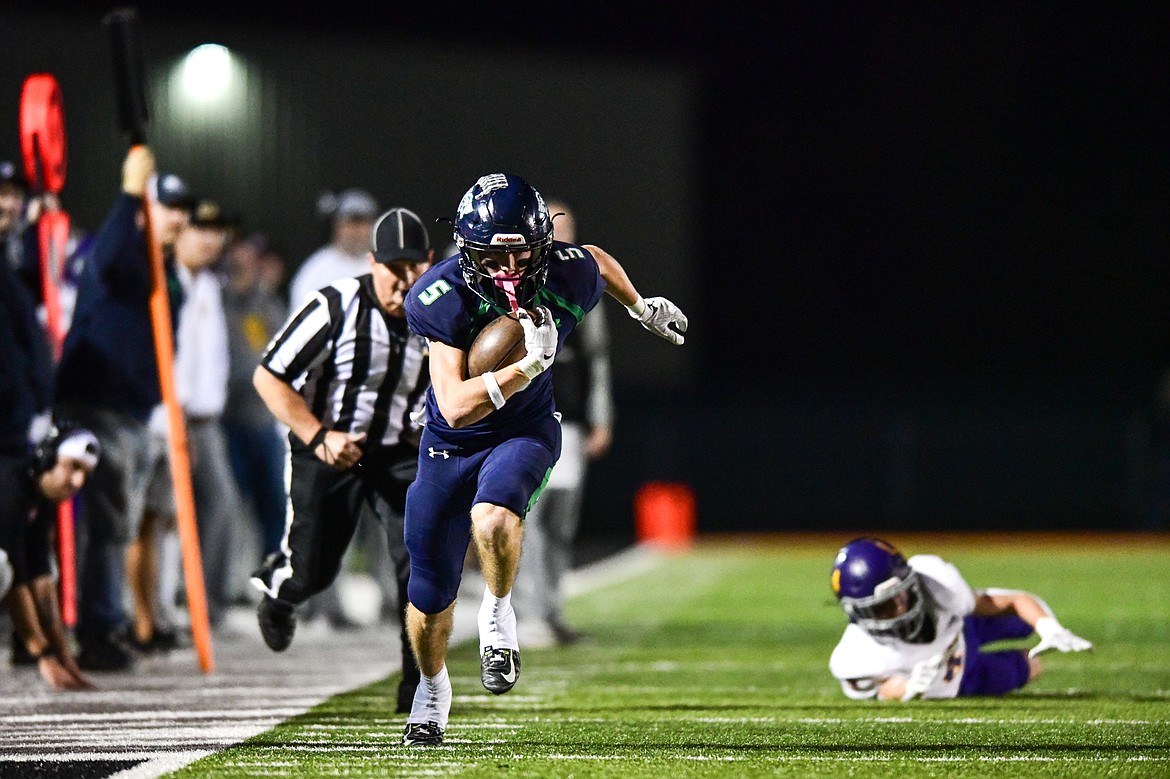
[{"x": 345, "y": 375}]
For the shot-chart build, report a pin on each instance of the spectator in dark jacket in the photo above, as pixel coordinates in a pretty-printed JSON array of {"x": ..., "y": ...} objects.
[{"x": 108, "y": 382}]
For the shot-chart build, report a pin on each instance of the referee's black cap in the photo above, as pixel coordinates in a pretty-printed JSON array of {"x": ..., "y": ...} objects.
[{"x": 400, "y": 235}]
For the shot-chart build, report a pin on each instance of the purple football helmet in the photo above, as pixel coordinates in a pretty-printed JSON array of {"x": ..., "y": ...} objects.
[{"x": 879, "y": 590}]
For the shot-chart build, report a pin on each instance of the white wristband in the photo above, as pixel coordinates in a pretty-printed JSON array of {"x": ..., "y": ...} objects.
[
  {"x": 637, "y": 308},
  {"x": 495, "y": 394}
]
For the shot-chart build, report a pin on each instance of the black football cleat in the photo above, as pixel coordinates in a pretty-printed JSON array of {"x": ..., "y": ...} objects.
[
  {"x": 499, "y": 669},
  {"x": 278, "y": 622},
  {"x": 422, "y": 734}
]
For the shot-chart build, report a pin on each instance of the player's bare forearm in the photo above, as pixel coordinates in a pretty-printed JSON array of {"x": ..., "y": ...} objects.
[
  {"x": 286, "y": 404},
  {"x": 44, "y": 592},
  {"x": 23, "y": 611},
  {"x": 1025, "y": 605},
  {"x": 464, "y": 401},
  {"x": 617, "y": 284},
  {"x": 657, "y": 314}
]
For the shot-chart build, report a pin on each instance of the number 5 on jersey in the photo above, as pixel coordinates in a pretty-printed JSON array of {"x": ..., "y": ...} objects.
[{"x": 433, "y": 292}]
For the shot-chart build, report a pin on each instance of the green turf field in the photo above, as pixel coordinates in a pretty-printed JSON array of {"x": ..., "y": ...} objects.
[{"x": 715, "y": 664}]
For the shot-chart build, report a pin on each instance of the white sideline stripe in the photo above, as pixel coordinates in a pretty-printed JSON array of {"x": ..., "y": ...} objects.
[
  {"x": 150, "y": 716},
  {"x": 68, "y": 757},
  {"x": 161, "y": 764},
  {"x": 624, "y": 565},
  {"x": 635, "y": 561}
]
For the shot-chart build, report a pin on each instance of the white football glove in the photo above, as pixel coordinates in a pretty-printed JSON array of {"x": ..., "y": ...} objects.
[
  {"x": 661, "y": 317},
  {"x": 540, "y": 341},
  {"x": 922, "y": 675},
  {"x": 925, "y": 672},
  {"x": 1054, "y": 635}
]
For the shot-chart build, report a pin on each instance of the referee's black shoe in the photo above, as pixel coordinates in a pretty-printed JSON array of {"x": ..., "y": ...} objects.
[
  {"x": 422, "y": 734},
  {"x": 499, "y": 669},
  {"x": 278, "y": 622},
  {"x": 406, "y": 690}
]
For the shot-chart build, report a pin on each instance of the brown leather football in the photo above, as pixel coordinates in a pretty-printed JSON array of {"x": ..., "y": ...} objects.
[{"x": 500, "y": 343}]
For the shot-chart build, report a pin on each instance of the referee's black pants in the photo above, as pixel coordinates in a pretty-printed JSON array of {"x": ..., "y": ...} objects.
[{"x": 325, "y": 505}]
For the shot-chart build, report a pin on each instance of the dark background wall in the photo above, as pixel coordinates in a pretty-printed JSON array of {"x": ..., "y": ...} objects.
[{"x": 923, "y": 248}]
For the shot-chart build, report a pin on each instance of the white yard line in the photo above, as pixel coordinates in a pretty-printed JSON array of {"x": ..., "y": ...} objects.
[{"x": 166, "y": 714}]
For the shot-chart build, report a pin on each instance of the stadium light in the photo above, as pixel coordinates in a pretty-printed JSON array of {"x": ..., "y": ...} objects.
[{"x": 207, "y": 73}]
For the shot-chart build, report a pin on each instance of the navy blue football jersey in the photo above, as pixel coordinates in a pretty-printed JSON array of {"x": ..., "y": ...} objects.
[{"x": 441, "y": 307}]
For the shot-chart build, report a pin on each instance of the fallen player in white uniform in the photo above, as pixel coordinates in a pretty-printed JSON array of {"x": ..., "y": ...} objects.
[{"x": 916, "y": 628}]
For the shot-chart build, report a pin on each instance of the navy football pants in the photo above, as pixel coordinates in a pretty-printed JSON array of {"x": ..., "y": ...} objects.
[{"x": 452, "y": 479}]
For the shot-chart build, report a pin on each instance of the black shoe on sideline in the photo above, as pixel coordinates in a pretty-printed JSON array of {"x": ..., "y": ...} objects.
[
  {"x": 161, "y": 640},
  {"x": 164, "y": 640},
  {"x": 338, "y": 621},
  {"x": 20, "y": 653},
  {"x": 105, "y": 654},
  {"x": 422, "y": 734},
  {"x": 278, "y": 622}
]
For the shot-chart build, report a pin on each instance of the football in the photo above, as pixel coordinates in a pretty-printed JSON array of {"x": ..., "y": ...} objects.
[{"x": 500, "y": 343}]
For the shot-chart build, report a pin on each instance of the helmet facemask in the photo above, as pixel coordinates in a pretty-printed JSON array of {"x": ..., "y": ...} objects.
[
  {"x": 897, "y": 609},
  {"x": 503, "y": 213},
  {"x": 506, "y": 291}
]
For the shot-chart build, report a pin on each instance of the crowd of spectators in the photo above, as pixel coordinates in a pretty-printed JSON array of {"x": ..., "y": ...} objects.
[{"x": 228, "y": 295}]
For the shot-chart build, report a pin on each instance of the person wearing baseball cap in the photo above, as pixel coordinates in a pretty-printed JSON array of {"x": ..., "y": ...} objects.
[
  {"x": 352, "y": 213},
  {"x": 53, "y": 471},
  {"x": 201, "y": 372},
  {"x": 400, "y": 250},
  {"x": 108, "y": 382},
  {"x": 171, "y": 191},
  {"x": 18, "y": 244},
  {"x": 347, "y": 340},
  {"x": 13, "y": 191}
]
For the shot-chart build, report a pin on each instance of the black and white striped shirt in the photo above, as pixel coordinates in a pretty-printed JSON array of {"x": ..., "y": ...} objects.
[{"x": 359, "y": 370}]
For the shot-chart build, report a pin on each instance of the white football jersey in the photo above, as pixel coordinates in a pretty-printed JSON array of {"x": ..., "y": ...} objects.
[{"x": 862, "y": 663}]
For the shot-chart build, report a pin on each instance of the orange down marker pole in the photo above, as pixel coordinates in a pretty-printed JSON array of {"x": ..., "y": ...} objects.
[{"x": 164, "y": 349}]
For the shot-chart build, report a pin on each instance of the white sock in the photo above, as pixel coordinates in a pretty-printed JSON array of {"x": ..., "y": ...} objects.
[
  {"x": 497, "y": 622},
  {"x": 432, "y": 699}
]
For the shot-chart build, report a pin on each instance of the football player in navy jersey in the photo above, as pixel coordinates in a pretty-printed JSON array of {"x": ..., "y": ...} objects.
[{"x": 490, "y": 441}]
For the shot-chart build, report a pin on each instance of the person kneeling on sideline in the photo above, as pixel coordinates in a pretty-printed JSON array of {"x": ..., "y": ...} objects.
[
  {"x": 916, "y": 628},
  {"x": 59, "y": 466}
]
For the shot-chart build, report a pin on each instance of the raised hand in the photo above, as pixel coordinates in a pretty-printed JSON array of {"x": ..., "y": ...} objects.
[{"x": 664, "y": 319}]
